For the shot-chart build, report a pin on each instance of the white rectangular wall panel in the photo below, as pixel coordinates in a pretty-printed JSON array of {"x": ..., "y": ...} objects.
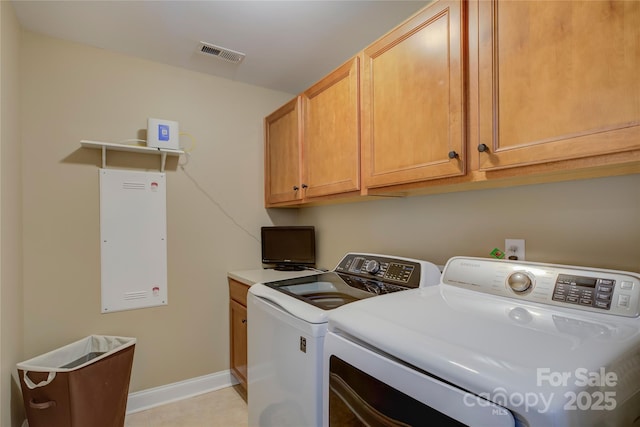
[{"x": 133, "y": 228}]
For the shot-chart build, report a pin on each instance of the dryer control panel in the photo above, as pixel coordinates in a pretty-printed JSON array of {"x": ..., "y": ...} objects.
[
  {"x": 588, "y": 291},
  {"x": 596, "y": 290}
]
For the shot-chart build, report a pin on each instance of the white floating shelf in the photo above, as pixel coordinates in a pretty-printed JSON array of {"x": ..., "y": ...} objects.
[{"x": 104, "y": 146}]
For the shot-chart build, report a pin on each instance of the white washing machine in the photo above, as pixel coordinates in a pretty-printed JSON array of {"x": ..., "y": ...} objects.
[
  {"x": 287, "y": 322},
  {"x": 497, "y": 343}
]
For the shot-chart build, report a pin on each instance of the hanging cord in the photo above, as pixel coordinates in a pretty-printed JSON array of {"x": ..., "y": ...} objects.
[
  {"x": 218, "y": 205},
  {"x": 187, "y": 153},
  {"x": 193, "y": 142}
]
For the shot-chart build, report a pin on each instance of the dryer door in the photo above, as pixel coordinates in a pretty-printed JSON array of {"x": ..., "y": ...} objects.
[{"x": 365, "y": 388}]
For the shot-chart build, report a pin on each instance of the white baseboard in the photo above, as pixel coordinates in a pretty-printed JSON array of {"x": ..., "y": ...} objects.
[{"x": 152, "y": 397}]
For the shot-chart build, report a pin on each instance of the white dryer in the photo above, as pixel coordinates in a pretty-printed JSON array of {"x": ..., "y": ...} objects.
[{"x": 496, "y": 343}]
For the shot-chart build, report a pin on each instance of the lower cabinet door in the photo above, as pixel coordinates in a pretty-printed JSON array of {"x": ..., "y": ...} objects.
[{"x": 238, "y": 322}]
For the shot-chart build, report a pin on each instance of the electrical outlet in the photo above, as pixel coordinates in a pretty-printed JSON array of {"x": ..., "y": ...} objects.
[{"x": 514, "y": 248}]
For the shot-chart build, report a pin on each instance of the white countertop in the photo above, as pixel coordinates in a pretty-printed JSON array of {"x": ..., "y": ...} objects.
[{"x": 250, "y": 277}]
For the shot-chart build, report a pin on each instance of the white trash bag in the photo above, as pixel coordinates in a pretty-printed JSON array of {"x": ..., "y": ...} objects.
[{"x": 73, "y": 356}]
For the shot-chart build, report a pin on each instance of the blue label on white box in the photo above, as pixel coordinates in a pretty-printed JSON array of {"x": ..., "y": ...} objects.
[{"x": 163, "y": 132}]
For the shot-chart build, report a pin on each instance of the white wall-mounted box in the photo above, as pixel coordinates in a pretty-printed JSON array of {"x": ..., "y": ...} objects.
[
  {"x": 163, "y": 134},
  {"x": 133, "y": 244}
]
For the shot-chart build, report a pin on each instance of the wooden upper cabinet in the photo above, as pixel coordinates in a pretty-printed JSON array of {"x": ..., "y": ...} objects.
[
  {"x": 283, "y": 154},
  {"x": 553, "y": 80},
  {"x": 413, "y": 99},
  {"x": 331, "y": 137}
]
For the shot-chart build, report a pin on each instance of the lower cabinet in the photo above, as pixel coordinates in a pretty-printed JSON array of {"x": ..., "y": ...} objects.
[{"x": 238, "y": 330}]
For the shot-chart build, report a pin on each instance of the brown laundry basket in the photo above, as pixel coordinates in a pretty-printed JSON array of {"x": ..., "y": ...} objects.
[{"x": 84, "y": 384}]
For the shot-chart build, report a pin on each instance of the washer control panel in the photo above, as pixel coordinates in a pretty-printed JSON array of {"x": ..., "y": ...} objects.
[
  {"x": 401, "y": 271},
  {"x": 596, "y": 290}
]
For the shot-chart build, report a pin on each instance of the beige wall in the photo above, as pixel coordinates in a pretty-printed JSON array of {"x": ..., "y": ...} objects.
[
  {"x": 11, "y": 311},
  {"x": 214, "y": 206},
  {"x": 591, "y": 222}
]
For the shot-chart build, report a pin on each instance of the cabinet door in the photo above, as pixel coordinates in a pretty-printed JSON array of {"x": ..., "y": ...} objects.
[
  {"x": 413, "y": 100},
  {"x": 238, "y": 322},
  {"x": 331, "y": 138},
  {"x": 555, "y": 79},
  {"x": 282, "y": 154}
]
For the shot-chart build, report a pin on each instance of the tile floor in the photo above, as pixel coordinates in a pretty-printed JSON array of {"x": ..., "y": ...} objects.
[{"x": 226, "y": 407}]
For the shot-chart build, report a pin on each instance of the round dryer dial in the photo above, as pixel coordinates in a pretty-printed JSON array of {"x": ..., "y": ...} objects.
[{"x": 519, "y": 282}]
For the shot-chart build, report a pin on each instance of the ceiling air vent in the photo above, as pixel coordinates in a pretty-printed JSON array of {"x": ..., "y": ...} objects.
[{"x": 221, "y": 52}]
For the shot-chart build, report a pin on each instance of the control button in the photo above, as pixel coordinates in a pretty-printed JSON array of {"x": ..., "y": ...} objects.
[
  {"x": 623, "y": 300},
  {"x": 606, "y": 282},
  {"x": 626, "y": 285},
  {"x": 572, "y": 299},
  {"x": 585, "y": 301},
  {"x": 602, "y": 304},
  {"x": 604, "y": 297},
  {"x": 605, "y": 288},
  {"x": 559, "y": 297}
]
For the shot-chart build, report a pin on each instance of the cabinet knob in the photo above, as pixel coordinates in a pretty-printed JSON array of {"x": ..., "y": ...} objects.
[
  {"x": 244, "y": 320},
  {"x": 482, "y": 148},
  {"x": 295, "y": 188},
  {"x": 305, "y": 186},
  {"x": 453, "y": 154}
]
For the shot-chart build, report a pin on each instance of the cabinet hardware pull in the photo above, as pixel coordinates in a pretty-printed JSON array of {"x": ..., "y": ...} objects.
[
  {"x": 453, "y": 154},
  {"x": 295, "y": 188},
  {"x": 44, "y": 405},
  {"x": 305, "y": 186},
  {"x": 244, "y": 320},
  {"x": 482, "y": 148}
]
